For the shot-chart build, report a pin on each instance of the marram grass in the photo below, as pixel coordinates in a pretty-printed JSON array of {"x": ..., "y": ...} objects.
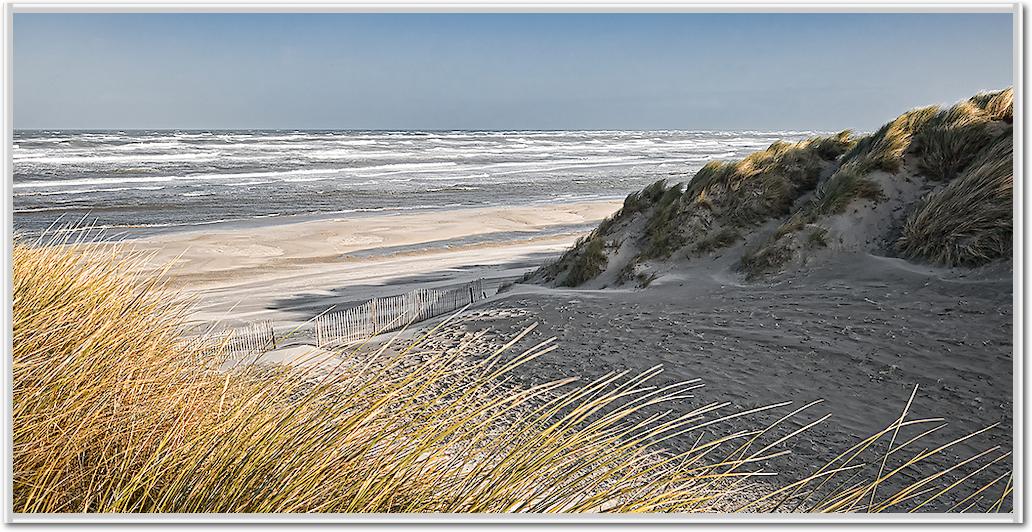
[
  {"x": 115, "y": 411},
  {"x": 969, "y": 221}
]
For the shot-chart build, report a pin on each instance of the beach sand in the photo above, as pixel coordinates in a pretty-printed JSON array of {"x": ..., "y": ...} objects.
[
  {"x": 857, "y": 333},
  {"x": 290, "y": 272}
]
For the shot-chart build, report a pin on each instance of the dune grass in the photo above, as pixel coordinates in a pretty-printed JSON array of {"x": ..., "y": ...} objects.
[
  {"x": 835, "y": 194},
  {"x": 719, "y": 240},
  {"x": 661, "y": 232},
  {"x": 116, "y": 411},
  {"x": 884, "y": 149},
  {"x": 731, "y": 194},
  {"x": 999, "y": 105},
  {"x": 769, "y": 256},
  {"x": 954, "y": 137},
  {"x": 645, "y": 198},
  {"x": 970, "y": 221},
  {"x": 738, "y": 194},
  {"x": 933, "y": 143},
  {"x": 765, "y": 184},
  {"x": 940, "y": 144},
  {"x": 587, "y": 261}
]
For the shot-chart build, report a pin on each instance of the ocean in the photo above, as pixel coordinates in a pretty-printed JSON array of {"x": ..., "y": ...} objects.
[{"x": 142, "y": 182}]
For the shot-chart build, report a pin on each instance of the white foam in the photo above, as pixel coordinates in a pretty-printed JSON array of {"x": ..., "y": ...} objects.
[
  {"x": 170, "y": 178},
  {"x": 87, "y": 159}
]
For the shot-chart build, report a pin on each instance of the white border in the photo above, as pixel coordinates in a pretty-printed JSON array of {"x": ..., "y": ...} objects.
[
  {"x": 1018, "y": 314},
  {"x": 389, "y": 6}
]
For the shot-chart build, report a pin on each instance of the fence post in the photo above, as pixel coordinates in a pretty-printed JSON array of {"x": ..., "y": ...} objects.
[{"x": 375, "y": 316}]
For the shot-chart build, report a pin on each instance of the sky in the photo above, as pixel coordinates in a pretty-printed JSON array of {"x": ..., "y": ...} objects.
[{"x": 498, "y": 71}]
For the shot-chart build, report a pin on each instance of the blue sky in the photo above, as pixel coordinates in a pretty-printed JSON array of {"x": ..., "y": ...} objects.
[{"x": 498, "y": 71}]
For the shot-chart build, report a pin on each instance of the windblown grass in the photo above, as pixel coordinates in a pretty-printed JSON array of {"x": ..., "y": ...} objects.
[
  {"x": 645, "y": 198},
  {"x": 999, "y": 105},
  {"x": 954, "y": 137},
  {"x": 724, "y": 196},
  {"x": 831, "y": 197},
  {"x": 721, "y": 239},
  {"x": 739, "y": 194},
  {"x": 835, "y": 194},
  {"x": 883, "y": 150},
  {"x": 770, "y": 255},
  {"x": 587, "y": 261},
  {"x": 661, "y": 232},
  {"x": 941, "y": 143},
  {"x": 765, "y": 184},
  {"x": 115, "y": 412},
  {"x": 736, "y": 194},
  {"x": 970, "y": 221}
]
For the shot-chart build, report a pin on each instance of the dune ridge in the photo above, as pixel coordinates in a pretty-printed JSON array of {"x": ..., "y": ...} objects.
[{"x": 934, "y": 186}]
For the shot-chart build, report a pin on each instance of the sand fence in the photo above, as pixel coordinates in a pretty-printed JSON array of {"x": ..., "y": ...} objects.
[
  {"x": 385, "y": 314},
  {"x": 376, "y": 316},
  {"x": 252, "y": 339}
]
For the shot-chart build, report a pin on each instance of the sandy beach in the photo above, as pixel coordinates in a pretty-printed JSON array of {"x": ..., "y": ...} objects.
[
  {"x": 486, "y": 262},
  {"x": 857, "y": 334},
  {"x": 833, "y": 316},
  {"x": 290, "y": 272}
]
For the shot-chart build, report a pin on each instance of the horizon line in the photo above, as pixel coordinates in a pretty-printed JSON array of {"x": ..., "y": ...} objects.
[{"x": 429, "y": 130}]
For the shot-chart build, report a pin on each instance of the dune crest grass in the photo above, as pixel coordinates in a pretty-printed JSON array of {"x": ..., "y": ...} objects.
[
  {"x": 969, "y": 221},
  {"x": 116, "y": 411}
]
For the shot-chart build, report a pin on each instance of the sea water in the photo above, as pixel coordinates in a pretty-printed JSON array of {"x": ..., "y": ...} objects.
[{"x": 141, "y": 182}]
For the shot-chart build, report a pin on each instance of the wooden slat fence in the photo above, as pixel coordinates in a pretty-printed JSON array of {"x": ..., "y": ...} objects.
[
  {"x": 252, "y": 339},
  {"x": 385, "y": 314}
]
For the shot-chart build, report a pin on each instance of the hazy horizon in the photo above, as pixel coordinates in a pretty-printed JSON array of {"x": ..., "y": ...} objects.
[
  {"x": 428, "y": 130},
  {"x": 498, "y": 71}
]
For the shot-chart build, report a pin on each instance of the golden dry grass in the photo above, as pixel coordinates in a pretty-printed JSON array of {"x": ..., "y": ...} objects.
[
  {"x": 954, "y": 137},
  {"x": 999, "y": 105},
  {"x": 883, "y": 150},
  {"x": 764, "y": 184},
  {"x": 114, "y": 411},
  {"x": 969, "y": 221}
]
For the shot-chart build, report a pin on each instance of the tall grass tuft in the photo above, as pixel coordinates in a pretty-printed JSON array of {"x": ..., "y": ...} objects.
[
  {"x": 884, "y": 149},
  {"x": 970, "y": 221},
  {"x": 115, "y": 411},
  {"x": 765, "y": 184},
  {"x": 951, "y": 139},
  {"x": 587, "y": 261},
  {"x": 835, "y": 194},
  {"x": 999, "y": 105}
]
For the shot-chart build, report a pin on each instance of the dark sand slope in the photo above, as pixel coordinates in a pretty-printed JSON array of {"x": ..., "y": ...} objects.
[
  {"x": 858, "y": 333},
  {"x": 846, "y": 269}
]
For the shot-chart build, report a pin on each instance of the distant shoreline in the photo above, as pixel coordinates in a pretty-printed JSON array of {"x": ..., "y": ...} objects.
[
  {"x": 131, "y": 233},
  {"x": 266, "y": 270},
  {"x": 135, "y": 184}
]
